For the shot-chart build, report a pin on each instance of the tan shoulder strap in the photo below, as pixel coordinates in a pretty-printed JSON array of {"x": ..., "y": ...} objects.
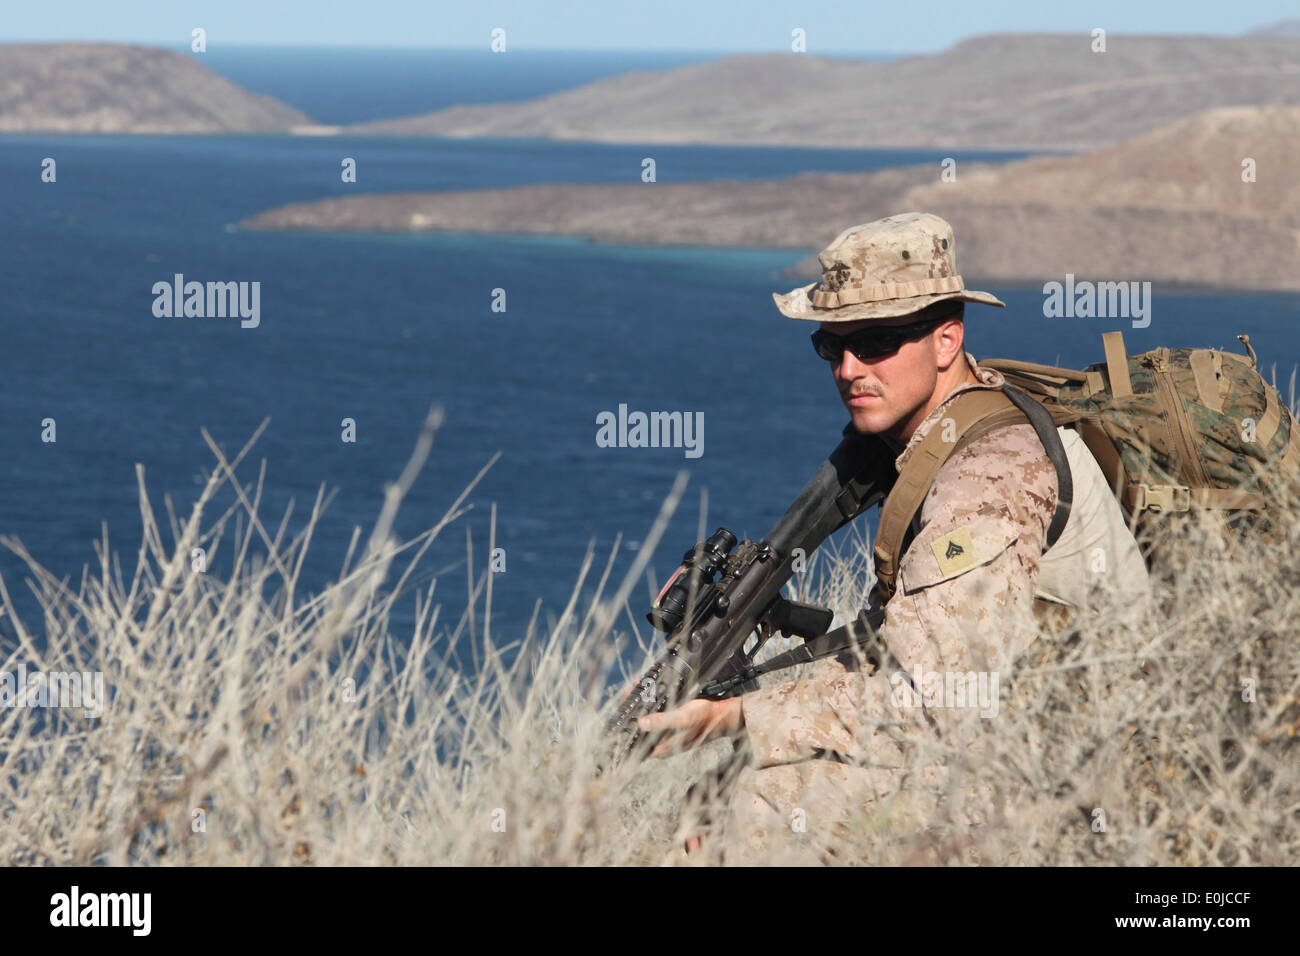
[
  {"x": 1043, "y": 381},
  {"x": 1121, "y": 385},
  {"x": 924, "y": 462},
  {"x": 1272, "y": 418},
  {"x": 995, "y": 420}
]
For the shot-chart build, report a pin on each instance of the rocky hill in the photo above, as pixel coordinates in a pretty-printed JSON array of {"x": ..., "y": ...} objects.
[
  {"x": 116, "y": 88},
  {"x": 1168, "y": 206},
  {"x": 1003, "y": 91}
]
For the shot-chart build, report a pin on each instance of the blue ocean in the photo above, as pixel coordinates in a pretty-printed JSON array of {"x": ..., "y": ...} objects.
[{"x": 378, "y": 328}]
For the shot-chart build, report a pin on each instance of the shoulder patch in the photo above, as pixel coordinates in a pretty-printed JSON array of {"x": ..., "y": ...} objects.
[
  {"x": 950, "y": 553},
  {"x": 955, "y": 551}
]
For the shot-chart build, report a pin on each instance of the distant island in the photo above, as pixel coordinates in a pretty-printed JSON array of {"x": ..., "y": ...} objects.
[
  {"x": 1283, "y": 28},
  {"x": 1170, "y": 206},
  {"x": 1001, "y": 91},
  {"x": 118, "y": 88}
]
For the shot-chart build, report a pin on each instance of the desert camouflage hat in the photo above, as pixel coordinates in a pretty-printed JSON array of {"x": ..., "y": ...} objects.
[{"x": 893, "y": 266}]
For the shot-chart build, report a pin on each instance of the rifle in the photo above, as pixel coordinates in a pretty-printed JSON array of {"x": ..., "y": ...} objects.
[{"x": 727, "y": 591}]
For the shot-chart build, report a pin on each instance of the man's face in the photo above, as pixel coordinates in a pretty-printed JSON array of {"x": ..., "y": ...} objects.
[{"x": 892, "y": 395}]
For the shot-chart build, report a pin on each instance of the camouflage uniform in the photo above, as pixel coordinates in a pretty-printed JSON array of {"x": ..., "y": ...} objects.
[
  {"x": 831, "y": 744},
  {"x": 1000, "y": 490}
]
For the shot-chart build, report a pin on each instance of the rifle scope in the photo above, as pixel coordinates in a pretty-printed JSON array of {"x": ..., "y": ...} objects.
[{"x": 700, "y": 564}]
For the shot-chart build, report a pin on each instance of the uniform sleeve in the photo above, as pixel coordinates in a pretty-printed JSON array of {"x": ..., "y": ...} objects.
[{"x": 965, "y": 594}]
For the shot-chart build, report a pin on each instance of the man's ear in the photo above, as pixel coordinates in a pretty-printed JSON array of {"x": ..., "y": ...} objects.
[{"x": 949, "y": 343}]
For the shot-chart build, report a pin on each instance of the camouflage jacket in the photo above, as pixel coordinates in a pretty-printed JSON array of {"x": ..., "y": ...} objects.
[{"x": 964, "y": 599}]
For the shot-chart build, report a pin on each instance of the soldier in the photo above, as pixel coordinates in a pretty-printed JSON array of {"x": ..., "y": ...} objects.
[{"x": 891, "y": 312}]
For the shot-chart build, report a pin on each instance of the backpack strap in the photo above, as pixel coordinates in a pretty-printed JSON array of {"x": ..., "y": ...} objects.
[
  {"x": 1045, "y": 427},
  {"x": 975, "y": 413},
  {"x": 913, "y": 483},
  {"x": 1121, "y": 386},
  {"x": 1145, "y": 497},
  {"x": 1272, "y": 418}
]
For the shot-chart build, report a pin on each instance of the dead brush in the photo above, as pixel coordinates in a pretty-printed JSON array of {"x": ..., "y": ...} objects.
[{"x": 249, "y": 723}]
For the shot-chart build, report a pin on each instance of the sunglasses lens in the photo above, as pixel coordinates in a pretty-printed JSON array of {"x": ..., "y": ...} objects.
[
  {"x": 870, "y": 343},
  {"x": 865, "y": 345},
  {"x": 828, "y": 346},
  {"x": 876, "y": 345}
]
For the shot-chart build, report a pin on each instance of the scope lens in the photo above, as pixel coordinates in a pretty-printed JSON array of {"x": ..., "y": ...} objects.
[
  {"x": 699, "y": 566},
  {"x": 721, "y": 540}
]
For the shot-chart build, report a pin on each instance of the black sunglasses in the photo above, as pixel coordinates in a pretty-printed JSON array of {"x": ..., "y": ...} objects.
[{"x": 872, "y": 343}]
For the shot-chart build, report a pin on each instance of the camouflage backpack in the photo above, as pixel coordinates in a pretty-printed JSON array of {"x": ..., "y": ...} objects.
[{"x": 1172, "y": 430}]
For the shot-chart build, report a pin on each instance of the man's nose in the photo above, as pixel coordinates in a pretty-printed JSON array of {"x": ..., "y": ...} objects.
[{"x": 850, "y": 367}]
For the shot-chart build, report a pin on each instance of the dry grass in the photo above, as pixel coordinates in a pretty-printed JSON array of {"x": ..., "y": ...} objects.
[{"x": 248, "y": 723}]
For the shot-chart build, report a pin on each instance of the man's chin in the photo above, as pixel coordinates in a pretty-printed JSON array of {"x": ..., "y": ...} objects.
[{"x": 869, "y": 423}]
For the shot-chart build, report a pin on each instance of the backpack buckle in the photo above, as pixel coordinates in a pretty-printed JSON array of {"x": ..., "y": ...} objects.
[{"x": 1164, "y": 498}]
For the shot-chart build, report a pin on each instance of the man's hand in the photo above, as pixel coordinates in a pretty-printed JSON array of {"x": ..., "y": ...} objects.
[{"x": 696, "y": 722}]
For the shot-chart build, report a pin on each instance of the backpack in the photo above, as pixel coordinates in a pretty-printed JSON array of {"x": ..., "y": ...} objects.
[{"x": 1172, "y": 430}]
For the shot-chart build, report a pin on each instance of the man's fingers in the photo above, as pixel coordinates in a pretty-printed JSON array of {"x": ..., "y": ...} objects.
[
  {"x": 669, "y": 720},
  {"x": 691, "y": 722},
  {"x": 693, "y": 714},
  {"x": 654, "y": 722}
]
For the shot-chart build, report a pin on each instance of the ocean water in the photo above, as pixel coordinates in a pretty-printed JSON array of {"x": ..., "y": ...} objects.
[
  {"x": 379, "y": 328},
  {"x": 347, "y": 85}
]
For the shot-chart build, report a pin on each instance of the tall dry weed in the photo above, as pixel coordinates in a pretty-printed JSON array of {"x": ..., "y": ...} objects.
[{"x": 250, "y": 723}]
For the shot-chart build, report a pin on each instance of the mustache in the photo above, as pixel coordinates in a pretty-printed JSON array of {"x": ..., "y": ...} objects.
[{"x": 865, "y": 390}]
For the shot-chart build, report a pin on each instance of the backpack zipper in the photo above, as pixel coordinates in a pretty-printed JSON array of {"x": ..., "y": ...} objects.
[{"x": 1181, "y": 429}]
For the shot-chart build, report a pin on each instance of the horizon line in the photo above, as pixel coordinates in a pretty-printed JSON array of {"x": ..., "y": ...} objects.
[{"x": 183, "y": 46}]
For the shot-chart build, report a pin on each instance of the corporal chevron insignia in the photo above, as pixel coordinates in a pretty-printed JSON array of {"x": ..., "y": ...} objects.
[{"x": 955, "y": 551}]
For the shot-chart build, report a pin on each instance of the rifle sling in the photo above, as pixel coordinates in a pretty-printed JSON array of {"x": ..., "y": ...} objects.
[{"x": 861, "y": 632}]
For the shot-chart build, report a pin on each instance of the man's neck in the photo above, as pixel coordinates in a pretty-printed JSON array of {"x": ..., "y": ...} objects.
[{"x": 958, "y": 374}]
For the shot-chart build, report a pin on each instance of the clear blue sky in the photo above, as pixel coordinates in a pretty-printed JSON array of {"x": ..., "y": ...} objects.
[{"x": 832, "y": 26}]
